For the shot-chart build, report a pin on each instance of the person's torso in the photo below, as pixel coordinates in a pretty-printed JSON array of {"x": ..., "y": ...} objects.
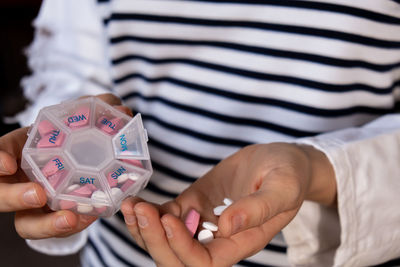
[{"x": 210, "y": 77}]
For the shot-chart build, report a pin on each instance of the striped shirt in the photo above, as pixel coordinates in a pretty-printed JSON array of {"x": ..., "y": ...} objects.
[{"x": 210, "y": 77}]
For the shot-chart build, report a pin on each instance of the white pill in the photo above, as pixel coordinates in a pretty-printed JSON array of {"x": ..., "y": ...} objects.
[
  {"x": 133, "y": 176},
  {"x": 218, "y": 210},
  {"x": 84, "y": 208},
  {"x": 210, "y": 226},
  {"x": 99, "y": 196},
  {"x": 71, "y": 188},
  {"x": 116, "y": 192},
  {"x": 228, "y": 201},
  {"x": 123, "y": 178},
  {"x": 205, "y": 236}
]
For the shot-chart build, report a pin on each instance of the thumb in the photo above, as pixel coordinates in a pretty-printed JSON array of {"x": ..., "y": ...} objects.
[
  {"x": 8, "y": 164},
  {"x": 13, "y": 142},
  {"x": 251, "y": 211}
]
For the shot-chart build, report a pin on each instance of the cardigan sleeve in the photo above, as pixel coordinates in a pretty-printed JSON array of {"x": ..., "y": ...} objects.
[
  {"x": 364, "y": 229},
  {"x": 68, "y": 56}
]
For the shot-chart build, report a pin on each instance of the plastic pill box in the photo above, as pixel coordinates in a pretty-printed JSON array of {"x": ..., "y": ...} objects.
[{"x": 87, "y": 155}]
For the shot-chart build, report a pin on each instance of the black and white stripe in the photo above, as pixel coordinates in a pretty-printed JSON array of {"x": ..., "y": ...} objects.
[{"x": 210, "y": 77}]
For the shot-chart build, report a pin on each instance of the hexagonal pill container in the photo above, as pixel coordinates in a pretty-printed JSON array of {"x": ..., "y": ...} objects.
[{"x": 87, "y": 155}]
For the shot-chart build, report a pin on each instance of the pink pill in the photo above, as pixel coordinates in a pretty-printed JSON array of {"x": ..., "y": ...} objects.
[
  {"x": 111, "y": 181},
  {"x": 54, "y": 139},
  {"x": 192, "y": 221},
  {"x": 56, "y": 179},
  {"x": 84, "y": 191},
  {"x": 127, "y": 185},
  {"x": 54, "y": 165},
  {"x": 80, "y": 118},
  {"x": 67, "y": 204},
  {"x": 133, "y": 162},
  {"x": 101, "y": 120},
  {"x": 111, "y": 126},
  {"x": 45, "y": 127},
  {"x": 92, "y": 187},
  {"x": 101, "y": 209}
]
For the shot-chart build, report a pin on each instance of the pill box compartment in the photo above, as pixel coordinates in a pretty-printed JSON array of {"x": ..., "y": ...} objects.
[
  {"x": 125, "y": 179},
  {"x": 46, "y": 134},
  {"x": 89, "y": 151},
  {"x": 74, "y": 115},
  {"x": 108, "y": 119},
  {"x": 85, "y": 192}
]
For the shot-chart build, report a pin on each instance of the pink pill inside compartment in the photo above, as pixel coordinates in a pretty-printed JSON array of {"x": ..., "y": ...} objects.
[
  {"x": 54, "y": 165},
  {"x": 127, "y": 185},
  {"x": 109, "y": 126},
  {"x": 84, "y": 191},
  {"x": 67, "y": 204},
  {"x": 133, "y": 162},
  {"x": 45, "y": 127},
  {"x": 80, "y": 118},
  {"x": 54, "y": 139},
  {"x": 101, "y": 209},
  {"x": 192, "y": 221},
  {"x": 111, "y": 181},
  {"x": 56, "y": 179}
]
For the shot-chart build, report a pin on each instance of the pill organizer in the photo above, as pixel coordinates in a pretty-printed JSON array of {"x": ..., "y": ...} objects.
[{"x": 87, "y": 155}]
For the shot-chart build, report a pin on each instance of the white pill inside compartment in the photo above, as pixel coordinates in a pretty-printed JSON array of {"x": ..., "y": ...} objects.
[
  {"x": 116, "y": 192},
  {"x": 84, "y": 208},
  {"x": 127, "y": 176},
  {"x": 99, "y": 196},
  {"x": 71, "y": 188}
]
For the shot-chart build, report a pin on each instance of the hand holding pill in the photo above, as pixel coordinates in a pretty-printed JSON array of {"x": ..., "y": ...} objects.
[
  {"x": 248, "y": 197},
  {"x": 27, "y": 199}
]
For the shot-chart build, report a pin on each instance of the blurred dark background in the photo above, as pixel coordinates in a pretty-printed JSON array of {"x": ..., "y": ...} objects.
[{"x": 16, "y": 18}]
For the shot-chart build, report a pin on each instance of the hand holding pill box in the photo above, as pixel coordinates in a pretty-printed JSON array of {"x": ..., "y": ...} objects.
[{"x": 87, "y": 155}]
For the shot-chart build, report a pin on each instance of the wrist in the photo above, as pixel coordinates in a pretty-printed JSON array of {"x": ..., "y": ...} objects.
[{"x": 322, "y": 186}]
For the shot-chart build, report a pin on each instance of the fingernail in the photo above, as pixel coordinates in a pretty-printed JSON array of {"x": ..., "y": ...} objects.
[
  {"x": 167, "y": 229},
  {"x": 130, "y": 219},
  {"x": 237, "y": 223},
  {"x": 62, "y": 223},
  {"x": 3, "y": 170},
  {"x": 142, "y": 220},
  {"x": 31, "y": 198}
]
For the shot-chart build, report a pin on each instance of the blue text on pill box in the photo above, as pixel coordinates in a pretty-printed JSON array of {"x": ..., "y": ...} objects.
[
  {"x": 86, "y": 180},
  {"x": 75, "y": 118},
  {"x": 123, "y": 142},
  {"x": 58, "y": 163},
  {"x": 53, "y": 136},
  {"x": 108, "y": 123},
  {"x": 118, "y": 172}
]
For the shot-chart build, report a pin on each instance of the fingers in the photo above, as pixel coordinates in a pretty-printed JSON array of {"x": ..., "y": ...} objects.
[
  {"x": 124, "y": 109},
  {"x": 143, "y": 222},
  {"x": 21, "y": 196},
  {"x": 127, "y": 208},
  {"x": 8, "y": 165},
  {"x": 13, "y": 142},
  {"x": 187, "y": 249},
  {"x": 110, "y": 99},
  {"x": 279, "y": 192},
  {"x": 153, "y": 235},
  {"x": 250, "y": 211},
  {"x": 171, "y": 207},
  {"x": 37, "y": 224},
  {"x": 220, "y": 251}
]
